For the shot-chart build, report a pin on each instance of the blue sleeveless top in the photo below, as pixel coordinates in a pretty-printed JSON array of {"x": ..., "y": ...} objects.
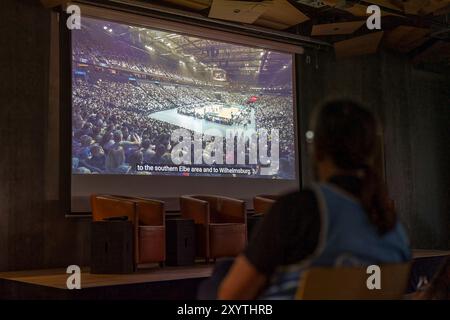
[{"x": 347, "y": 237}]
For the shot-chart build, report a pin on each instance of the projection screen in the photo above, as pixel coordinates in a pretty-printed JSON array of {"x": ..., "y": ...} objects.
[{"x": 160, "y": 110}]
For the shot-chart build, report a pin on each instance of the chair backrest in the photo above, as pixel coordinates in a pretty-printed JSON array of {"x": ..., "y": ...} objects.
[
  {"x": 106, "y": 206},
  {"x": 230, "y": 210},
  {"x": 221, "y": 209},
  {"x": 350, "y": 283},
  {"x": 150, "y": 212},
  {"x": 262, "y": 204}
]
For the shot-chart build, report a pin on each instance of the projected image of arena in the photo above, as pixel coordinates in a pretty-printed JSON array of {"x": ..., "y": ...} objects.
[{"x": 143, "y": 99}]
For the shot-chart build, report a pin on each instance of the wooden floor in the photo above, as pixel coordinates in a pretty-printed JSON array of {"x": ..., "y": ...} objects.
[
  {"x": 418, "y": 253},
  {"x": 171, "y": 283},
  {"x": 56, "y": 278},
  {"x": 150, "y": 283}
]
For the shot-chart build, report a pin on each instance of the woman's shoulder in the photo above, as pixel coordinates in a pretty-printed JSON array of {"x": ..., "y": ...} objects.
[{"x": 296, "y": 203}]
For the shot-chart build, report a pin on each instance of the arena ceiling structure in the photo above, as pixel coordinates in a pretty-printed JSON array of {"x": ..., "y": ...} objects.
[
  {"x": 419, "y": 29},
  {"x": 224, "y": 60},
  {"x": 225, "y": 64}
]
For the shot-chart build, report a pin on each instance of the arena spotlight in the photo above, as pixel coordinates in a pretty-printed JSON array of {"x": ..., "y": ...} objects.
[
  {"x": 110, "y": 30},
  {"x": 105, "y": 28}
]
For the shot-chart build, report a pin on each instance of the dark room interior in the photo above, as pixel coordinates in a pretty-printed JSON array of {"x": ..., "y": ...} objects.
[{"x": 400, "y": 73}]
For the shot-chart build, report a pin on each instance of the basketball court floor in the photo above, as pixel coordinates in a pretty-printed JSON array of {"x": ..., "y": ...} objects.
[{"x": 200, "y": 125}]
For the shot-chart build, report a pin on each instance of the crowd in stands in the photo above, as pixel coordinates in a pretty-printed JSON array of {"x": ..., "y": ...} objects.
[
  {"x": 274, "y": 112},
  {"x": 113, "y": 130},
  {"x": 121, "y": 55}
]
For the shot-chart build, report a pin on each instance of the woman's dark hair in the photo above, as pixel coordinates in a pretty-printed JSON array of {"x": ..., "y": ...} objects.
[{"x": 347, "y": 133}]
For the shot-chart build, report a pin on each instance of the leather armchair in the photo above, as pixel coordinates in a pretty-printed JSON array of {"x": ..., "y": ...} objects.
[
  {"x": 220, "y": 224},
  {"x": 263, "y": 203},
  {"x": 148, "y": 218}
]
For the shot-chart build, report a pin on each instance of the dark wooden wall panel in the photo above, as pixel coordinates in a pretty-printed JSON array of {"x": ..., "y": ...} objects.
[
  {"x": 414, "y": 109},
  {"x": 33, "y": 231},
  {"x": 430, "y": 156},
  {"x": 397, "y": 138}
]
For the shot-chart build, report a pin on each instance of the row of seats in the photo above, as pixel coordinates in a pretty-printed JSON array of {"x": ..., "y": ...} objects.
[{"x": 220, "y": 223}]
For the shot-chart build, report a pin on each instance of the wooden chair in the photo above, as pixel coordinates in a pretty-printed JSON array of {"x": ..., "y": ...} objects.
[
  {"x": 220, "y": 222},
  {"x": 349, "y": 283},
  {"x": 148, "y": 218}
]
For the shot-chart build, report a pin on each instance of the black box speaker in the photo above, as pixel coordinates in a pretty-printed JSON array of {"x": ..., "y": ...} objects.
[
  {"x": 112, "y": 247},
  {"x": 180, "y": 242}
]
